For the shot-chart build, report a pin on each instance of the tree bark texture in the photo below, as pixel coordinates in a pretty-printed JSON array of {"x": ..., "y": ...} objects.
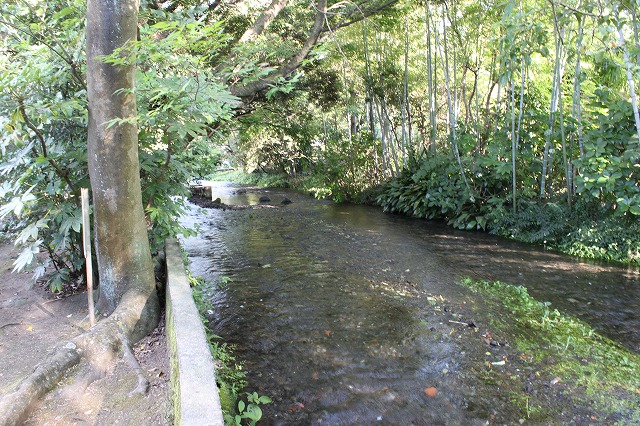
[{"x": 122, "y": 247}]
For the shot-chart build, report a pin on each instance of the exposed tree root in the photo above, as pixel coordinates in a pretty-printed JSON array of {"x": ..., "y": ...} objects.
[
  {"x": 14, "y": 406},
  {"x": 143, "y": 383},
  {"x": 97, "y": 348}
]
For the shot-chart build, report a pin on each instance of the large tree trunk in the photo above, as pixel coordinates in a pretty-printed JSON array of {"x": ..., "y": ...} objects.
[
  {"x": 127, "y": 282},
  {"x": 124, "y": 258}
]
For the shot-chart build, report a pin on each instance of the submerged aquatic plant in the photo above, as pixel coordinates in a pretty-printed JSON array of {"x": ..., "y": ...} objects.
[{"x": 596, "y": 369}]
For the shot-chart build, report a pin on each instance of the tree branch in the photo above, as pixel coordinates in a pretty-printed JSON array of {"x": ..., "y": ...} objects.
[
  {"x": 576, "y": 10},
  {"x": 62, "y": 174},
  {"x": 251, "y": 89},
  {"x": 364, "y": 13},
  {"x": 263, "y": 21}
]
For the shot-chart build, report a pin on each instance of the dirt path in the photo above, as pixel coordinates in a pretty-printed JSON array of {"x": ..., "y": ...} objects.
[{"x": 33, "y": 322}]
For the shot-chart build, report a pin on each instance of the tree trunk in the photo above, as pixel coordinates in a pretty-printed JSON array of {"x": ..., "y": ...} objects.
[
  {"x": 577, "y": 107},
  {"x": 514, "y": 147},
  {"x": 452, "y": 112},
  {"x": 565, "y": 157},
  {"x": 628, "y": 68},
  {"x": 122, "y": 246},
  {"x": 405, "y": 97},
  {"x": 556, "y": 93},
  {"x": 636, "y": 37},
  {"x": 430, "y": 82}
]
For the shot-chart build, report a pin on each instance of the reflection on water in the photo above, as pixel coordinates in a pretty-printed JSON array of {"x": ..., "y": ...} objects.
[{"x": 335, "y": 307}]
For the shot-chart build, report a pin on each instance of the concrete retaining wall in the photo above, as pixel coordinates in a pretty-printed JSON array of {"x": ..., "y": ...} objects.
[{"x": 194, "y": 392}]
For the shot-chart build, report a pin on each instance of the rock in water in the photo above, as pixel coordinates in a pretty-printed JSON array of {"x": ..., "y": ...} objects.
[
  {"x": 264, "y": 199},
  {"x": 286, "y": 201}
]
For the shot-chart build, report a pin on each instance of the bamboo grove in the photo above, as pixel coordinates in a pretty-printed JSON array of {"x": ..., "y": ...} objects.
[
  {"x": 519, "y": 117},
  {"x": 540, "y": 92}
]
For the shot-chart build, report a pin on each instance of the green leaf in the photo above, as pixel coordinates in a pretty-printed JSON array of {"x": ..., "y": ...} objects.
[
  {"x": 160, "y": 25},
  {"x": 26, "y": 256},
  {"x": 31, "y": 231},
  {"x": 253, "y": 412}
]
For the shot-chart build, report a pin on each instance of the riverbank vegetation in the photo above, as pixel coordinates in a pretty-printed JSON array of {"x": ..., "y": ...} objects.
[{"x": 519, "y": 118}]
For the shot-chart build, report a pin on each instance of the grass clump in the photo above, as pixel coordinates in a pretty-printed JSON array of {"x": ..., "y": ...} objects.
[{"x": 596, "y": 369}]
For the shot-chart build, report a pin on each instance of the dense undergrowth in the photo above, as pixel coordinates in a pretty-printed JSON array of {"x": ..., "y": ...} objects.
[
  {"x": 593, "y": 369},
  {"x": 434, "y": 189}
]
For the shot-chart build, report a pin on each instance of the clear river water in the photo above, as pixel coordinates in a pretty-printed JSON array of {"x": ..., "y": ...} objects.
[{"x": 345, "y": 315}]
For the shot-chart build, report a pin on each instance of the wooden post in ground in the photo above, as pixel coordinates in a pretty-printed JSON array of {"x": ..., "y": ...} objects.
[{"x": 86, "y": 242}]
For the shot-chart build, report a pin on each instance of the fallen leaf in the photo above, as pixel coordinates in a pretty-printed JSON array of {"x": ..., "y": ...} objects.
[
  {"x": 328, "y": 333},
  {"x": 296, "y": 406},
  {"x": 556, "y": 380},
  {"x": 430, "y": 391},
  {"x": 30, "y": 328}
]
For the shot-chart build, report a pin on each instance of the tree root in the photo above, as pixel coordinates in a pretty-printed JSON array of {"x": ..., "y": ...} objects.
[
  {"x": 14, "y": 406},
  {"x": 136, "y": 315},
  {"x": 143, "y": 383}
]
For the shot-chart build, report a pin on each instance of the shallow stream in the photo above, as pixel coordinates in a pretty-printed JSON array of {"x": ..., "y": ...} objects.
[{"x": 346, "y": 315}]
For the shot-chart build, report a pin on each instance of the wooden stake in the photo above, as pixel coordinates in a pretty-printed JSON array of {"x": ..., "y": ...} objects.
[{"x": 86, "y": 242}]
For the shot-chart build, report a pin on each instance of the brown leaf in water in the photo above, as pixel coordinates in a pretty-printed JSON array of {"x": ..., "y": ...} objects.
[
  {"x": 430, "y": 391},
  {"x": 296, "y": 406},
  {"x": 328, "y": 333}
]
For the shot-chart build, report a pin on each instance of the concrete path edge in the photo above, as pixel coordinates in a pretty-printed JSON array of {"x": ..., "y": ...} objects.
[{"x": 196, "y": 401}]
